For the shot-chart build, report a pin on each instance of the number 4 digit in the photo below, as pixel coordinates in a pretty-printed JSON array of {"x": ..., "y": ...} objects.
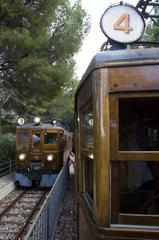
[{"x": 124, "y": 18}]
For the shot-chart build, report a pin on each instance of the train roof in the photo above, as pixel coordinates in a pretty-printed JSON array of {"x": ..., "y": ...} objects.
[
  {"x": 113, "y": 56},
  {"x": 39, "y": 126},
  {"x": 124, "y": 57}
]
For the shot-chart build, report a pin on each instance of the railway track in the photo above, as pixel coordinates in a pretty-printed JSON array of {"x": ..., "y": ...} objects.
[{"x": 17, "y": 210}]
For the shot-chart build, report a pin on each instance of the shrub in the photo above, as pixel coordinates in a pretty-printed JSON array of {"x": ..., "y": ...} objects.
[{"x": 7, "y": 147}]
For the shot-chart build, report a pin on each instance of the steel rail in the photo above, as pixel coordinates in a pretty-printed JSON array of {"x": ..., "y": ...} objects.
[
  {"x": 21, "y": 199},
  {"x": 30, "y": 216},
  {"x": 11, "y": 205}
]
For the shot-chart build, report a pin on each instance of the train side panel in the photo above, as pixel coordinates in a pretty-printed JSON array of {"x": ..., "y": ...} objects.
[{"x": 117, "y": 146}]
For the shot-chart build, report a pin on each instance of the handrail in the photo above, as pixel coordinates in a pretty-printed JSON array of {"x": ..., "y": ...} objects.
[{"x": 6, "y": 167}]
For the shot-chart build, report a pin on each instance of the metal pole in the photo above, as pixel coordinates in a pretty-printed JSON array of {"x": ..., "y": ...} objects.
[{"x": 10, "y": 166}]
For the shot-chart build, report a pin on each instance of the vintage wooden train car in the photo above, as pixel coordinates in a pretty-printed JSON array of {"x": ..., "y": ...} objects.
[
  {"x": 41, "y": 150},
  {"x": 117, "y": 146}
]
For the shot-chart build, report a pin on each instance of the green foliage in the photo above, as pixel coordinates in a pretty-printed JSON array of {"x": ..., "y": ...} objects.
[
  {"x": 70, "y": 27},
  {"x": 7, "y": 147},
  {"x": 62, "y": 107},
  {"x": 38, "y": 40},
  {"x": 152, "y": 30}
]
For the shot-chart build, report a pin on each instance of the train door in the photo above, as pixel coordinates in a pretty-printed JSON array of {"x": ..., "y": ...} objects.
[
  {"x": 135, "y": 159},
  {"x": 36, "y": 146}
]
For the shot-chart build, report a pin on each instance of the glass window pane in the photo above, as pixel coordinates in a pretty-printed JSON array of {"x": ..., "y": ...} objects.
[
  {"x": 23, "y": 141},
  {"x": 139, "y": 187},
  {"x": 87, "y": 129},
  {"x": 88, "y": 175},
  {"x": 36, "y": 139},
  {"x": 139, "y": 124},
  {"x": 51, "y": 138}
]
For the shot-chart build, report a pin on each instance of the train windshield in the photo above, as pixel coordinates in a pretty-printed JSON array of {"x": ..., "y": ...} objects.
[
  {"x": 51, "y": 138},
  {"x": 36, "y": 138},
  {"x": 23, "y": 141}
]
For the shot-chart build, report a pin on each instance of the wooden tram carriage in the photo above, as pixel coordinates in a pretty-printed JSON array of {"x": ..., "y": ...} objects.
[
  {"x": 41, "y": 150},
  {"x": 117, "y": 146}
]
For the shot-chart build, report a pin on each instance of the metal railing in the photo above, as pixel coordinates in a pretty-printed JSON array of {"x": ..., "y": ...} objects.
[
  {"x": 44, "y": 225},
  {"x": 7, "y": 167}
]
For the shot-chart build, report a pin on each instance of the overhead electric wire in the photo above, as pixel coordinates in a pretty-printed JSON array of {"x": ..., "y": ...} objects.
[{"x": 17, "y": 96}]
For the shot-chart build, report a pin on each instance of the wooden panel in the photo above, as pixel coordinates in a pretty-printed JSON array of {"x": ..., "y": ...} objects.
[
  {"x": 134, "y": 78},
  {"x": 76, "y": 148},
  {"x": 102, "y": 151},
  {"x": 85, "y": 231},
  {"x": 137, "y": 155},
  {"x": 79, "y": 166},
  {"x": 127, "y": 233},
  {"x": 85, "y": 92},
  {"x": 86, "y": 223},
  {"x": 136, "y": 219},
  {"x": 114, "y": 127},
  {"x": 115, "y": 191},
  {"x": 87, "y": 152}
]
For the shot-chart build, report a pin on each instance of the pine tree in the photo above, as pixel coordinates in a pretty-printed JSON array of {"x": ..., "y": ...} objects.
[
  {"x": 38, "y": 40},
  {"x": 152, "y": 30}
]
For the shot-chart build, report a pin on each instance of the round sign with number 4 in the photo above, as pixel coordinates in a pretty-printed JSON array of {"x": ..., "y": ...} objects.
[{"x": 122, "y": 23}]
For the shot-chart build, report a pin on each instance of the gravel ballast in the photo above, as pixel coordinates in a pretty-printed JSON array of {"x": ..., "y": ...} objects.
[{"x": 67, "y": 224}]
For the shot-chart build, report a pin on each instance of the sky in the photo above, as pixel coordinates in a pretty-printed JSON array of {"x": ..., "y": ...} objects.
[{"x": 95, "y": 38}]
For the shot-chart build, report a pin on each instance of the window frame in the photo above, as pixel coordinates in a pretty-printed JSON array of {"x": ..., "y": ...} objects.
[
  {"x": 87, "y": 106},
  {"x": 54, "y": 143},
  {"x": 32, "y": 141},
  {"x": 118, "y": 156},
  {"x": 86, "y": 155},
  {"x": 19, "y": 132}
]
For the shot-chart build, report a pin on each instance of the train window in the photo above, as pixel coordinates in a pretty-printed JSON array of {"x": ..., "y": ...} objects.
[
  {"x": 61, "y": 136},
  {"x": 87, "y": 129},
  {"x": 138, "y": 188},
  {"x": 86, "y": 149},
  {"x": 51, "y": 138},
  {"x": 36, "y": 137},
  {"x": 88, "y": 175},
  {"x": 23, "y": 141},
  {"x": 139, "y": 124},
  {"x": 135, "y": 191},
  {"x": 135, "y": 166},
  {"x": 64, "y": 140}
]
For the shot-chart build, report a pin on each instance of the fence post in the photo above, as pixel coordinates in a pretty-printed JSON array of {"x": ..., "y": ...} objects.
[{"x": 10, "y": 166}]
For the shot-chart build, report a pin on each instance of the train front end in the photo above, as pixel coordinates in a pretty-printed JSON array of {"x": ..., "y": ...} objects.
[{"x": 39, "y": 154}]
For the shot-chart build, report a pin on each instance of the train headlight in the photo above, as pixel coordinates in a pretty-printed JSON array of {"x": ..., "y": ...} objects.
[
  {"x": 50, "y": 157},
  {"x": 21, "y": 121},
  {"x": 22, "y": 156},
  {"x": 36, "y": 120}
]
